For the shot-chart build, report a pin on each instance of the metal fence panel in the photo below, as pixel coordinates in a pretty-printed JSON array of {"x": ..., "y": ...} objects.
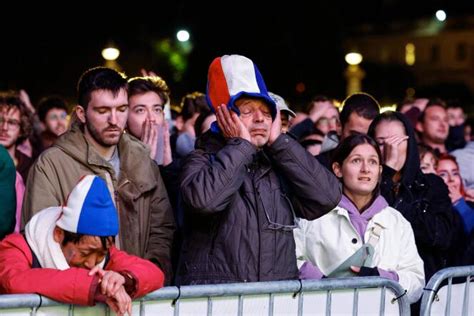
[
  {"x": 441, "y": 297},
  {"x": 345, "y": 296}
]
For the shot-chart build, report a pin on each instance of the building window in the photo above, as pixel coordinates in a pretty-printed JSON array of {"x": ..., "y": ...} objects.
[
  {"x": 410, "y": 54},
  {"x": 434, "y": 53},
  {"x": 461, "y": 52}
]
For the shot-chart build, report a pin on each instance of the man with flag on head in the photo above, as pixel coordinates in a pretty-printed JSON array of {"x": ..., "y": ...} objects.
[
  {"x": 245, "y": 184},
  {"x": 67, "y": 253}
]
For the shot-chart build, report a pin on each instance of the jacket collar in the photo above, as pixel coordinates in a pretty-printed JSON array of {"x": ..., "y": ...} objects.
[{"x": 133, "y": 169}]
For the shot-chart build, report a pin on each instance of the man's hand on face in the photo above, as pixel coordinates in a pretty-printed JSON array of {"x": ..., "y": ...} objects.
[
  {"x": 275, "y": 131},
  {"x": 150, "y": 136},
  {"x": 230, "y": 124}
]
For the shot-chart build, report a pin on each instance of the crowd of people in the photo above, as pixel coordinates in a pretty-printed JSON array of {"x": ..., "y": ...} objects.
[{"x": 127, "y": 193}]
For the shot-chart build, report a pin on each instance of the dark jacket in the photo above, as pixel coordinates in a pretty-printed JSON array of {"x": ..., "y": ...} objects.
[
  {"x": 424, "y": 201},
  {"x": 238, "y": 210}
]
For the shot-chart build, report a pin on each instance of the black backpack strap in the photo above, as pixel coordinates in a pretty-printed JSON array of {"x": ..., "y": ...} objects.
[{"x": 35, "y": 264}]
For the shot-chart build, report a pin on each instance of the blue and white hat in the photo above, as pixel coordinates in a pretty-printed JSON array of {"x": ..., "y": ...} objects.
[
  {"x": 90, "y": 209},
  {"x": 232, "y": 76}
]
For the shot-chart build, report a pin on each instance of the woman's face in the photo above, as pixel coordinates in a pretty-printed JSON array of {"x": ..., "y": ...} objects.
[
  {"x": 387, "y": 135},
  {"x": 428, "y": 163},
  {"x": 360, "y": 171},
  {"x": 449, "y": 171}
]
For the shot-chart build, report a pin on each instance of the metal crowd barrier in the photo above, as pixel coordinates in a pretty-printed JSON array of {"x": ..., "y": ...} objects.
[
  {"x": 440, "y": 298},
  {"x": 342, "y": 296}
]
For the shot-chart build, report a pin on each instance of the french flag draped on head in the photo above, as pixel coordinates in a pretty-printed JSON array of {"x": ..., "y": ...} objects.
[
  {"x": 90, "y": 209},
  {"x": 232, "y": 76}
]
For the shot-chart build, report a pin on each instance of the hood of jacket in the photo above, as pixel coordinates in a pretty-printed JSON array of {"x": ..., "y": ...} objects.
[{"x": 411, "y": 168}]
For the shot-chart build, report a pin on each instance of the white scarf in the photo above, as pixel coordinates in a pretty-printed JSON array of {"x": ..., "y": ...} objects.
[{"x": 39, "y": 235}]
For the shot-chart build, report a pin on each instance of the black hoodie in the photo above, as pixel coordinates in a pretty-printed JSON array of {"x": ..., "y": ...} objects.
[{"x": 423, "y": 199}]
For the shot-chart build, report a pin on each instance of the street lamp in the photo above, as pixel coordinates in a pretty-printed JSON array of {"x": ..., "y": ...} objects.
[
  {"x": 354, "y": 74},
  {"x": 110, "y": 53}
]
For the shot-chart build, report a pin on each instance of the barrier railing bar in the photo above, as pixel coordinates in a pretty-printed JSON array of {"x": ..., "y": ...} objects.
[
  {"x": 271, "y": 304},
  {"x": 355, "y": 305},
  {"x": 209, "y": 306},
  {"x": 447, "y": 312},
  {"x": 240, "y": 311},
  {"x": 435, "y": 282},
  {"x": 328, "y": 303},
  {"x": 300, "y": 303},
  {"x": 465, "y": 303},
  {"x": 382, "y": 301}
]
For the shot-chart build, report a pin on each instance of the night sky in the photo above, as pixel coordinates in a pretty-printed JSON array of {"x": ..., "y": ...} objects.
[{"x": 290, "y": 43}]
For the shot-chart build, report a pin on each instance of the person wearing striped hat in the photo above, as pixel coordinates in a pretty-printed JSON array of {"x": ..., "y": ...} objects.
[
  {"x": 244, "y": 185},
  {"x": 67, "y": 253}
]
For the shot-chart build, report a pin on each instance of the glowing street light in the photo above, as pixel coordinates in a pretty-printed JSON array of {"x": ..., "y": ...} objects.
[
  {"x": 354, "y": 74},
  {"x": 183, "y": 36},
  {"x": 441, "y": 15},
  {"x": 110, "y": 53},
  {"x": 353, "y": 58}
]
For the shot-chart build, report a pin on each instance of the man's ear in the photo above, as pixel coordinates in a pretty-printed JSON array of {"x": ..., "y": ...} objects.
[
  {"x": 81, "y": 113},
  {"x": 337, "y": 169},
  {"x": 419, "y": 127},
  {"x": 58, "y": 235}
]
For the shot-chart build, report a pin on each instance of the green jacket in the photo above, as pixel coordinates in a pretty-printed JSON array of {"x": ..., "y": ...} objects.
[
  {"x": 7, "y": 193},
  {"x": 145, "y": 214}
]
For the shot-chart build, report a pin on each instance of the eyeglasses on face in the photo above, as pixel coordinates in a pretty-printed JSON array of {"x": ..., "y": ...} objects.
[
  {"x": 11, "y": 123},
  {"x": 56, "y": 117}
]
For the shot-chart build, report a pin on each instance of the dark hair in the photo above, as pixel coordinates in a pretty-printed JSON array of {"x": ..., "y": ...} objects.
[
  {"x": 317, "y": 98},
  {"x": 200, "y": 120},
  {"x": 11, "y": 99},
  {"x": 387, "y": 116},
  {"x": 99, "y": 78},
  {"x": 361, "y": 103},
  {"x": 193, "y": 103},
  {"x": 142, "y": 85},
  {"x": 76, "y": 238},
  {"x": 48, "y": 103},
  {"x": 345, "y": 147}
]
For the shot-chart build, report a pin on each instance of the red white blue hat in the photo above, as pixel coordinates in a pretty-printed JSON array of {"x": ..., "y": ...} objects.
[
  {"x": 233, "y": 76},
  {"x": 90, "y": 209}
]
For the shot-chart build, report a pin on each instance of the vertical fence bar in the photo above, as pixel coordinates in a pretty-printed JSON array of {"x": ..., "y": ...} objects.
[
  {"x": 300, "y": 303},
  {"x": 209, "y": 306},
  {"x": 271, "y": 304},
  {"x": 328, "y": 303},
  {"x": 33, "y": 311},
  {"x": 382, "y": 301},
  {"x": 142, "y": 308},
  {"x": 465, "y": 303},
  {"x": 176, "y": 308},
  {"x": 240, "y": 310},
  {"x": 447, "y": 310},
  {"x": 355, "y": 302}
]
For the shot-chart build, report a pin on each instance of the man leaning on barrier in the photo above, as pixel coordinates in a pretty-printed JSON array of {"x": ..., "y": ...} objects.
[{"x": 67, "y": 253}]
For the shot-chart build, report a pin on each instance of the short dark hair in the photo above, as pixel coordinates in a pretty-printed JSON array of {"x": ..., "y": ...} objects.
[
  {"x": 193, "y": 103},
  {"x": 142, "y": 85},
  {"x": 75, "y": 238},
  {"x": 99, "y": 78},
  {"x": 316, "y": 98},
  {"x": 11, "y": 99},
  {"x": 348, "y": 144},
  {"x": 48, "y": 103},
  {"x": 361, "y": 103}
]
